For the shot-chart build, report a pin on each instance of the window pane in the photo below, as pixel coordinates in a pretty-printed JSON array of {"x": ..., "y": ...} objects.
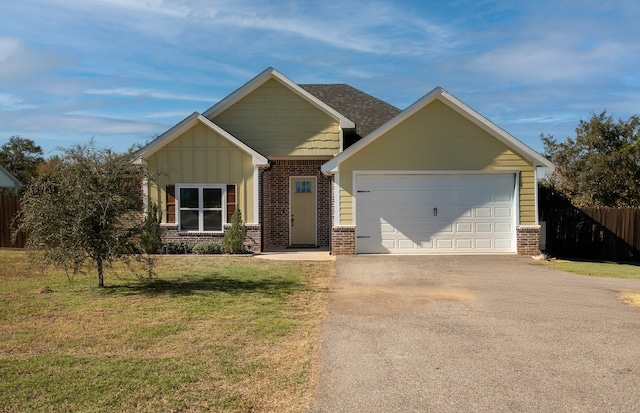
[
  {"x": 188, "y": 197},
  {"x": 303, "y": 187},
  {"x": 189, "y": 220},
  {"x": 213, "y": 220},
  {"x": 212, "y": 198}
]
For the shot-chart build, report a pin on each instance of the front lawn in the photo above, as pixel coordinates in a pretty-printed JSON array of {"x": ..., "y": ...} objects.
[
  {"x": 205, "y": 334},
  {"x": 603, "y": 269},
  {"x": 597, "y": 269}
]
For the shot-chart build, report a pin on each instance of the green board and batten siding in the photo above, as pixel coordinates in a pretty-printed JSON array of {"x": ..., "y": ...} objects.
[
  {"x": 275, "y": 121},
  {"x": 437, "y": 138},
  {"x": 200, "y": 155}
]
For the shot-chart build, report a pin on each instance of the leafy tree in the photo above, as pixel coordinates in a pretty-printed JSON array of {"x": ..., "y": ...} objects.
[
  {"x": 601, "y": 166},
  {"x": 21, "y": 157},
  {"x": 234, "y": 237},
  {"x": 86, "y": 206}
]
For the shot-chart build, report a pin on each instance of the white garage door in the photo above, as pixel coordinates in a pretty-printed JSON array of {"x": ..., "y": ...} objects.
[{"x": 435, "y": 213}]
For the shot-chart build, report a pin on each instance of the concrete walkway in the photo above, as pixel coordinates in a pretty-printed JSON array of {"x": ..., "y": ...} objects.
[
  {"x": 305, "y": 254},
  {"x": 476, "y": 334}
]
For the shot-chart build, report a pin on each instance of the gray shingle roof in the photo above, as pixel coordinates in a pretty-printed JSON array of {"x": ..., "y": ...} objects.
[{"x": 366, "y": 111}]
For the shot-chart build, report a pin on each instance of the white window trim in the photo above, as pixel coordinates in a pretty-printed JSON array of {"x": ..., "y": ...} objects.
[{"x": 200, "y": 187}]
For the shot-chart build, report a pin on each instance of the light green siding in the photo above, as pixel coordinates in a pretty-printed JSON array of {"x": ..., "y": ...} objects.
[
  {"x": 439, "y": 139},
  {"x": 275, "y": 121},
  {"x": 200, "y": 155}
]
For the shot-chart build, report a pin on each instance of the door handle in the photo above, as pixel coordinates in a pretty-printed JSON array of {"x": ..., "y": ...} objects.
[
  {"x": 291, "y": 219},
  {"x": 435, "y": 212}
]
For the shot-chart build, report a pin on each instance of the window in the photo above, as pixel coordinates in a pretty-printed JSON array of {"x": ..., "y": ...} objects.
[
  {"x": 303, "y": 187},
  {"x": 201, "y": 207}
]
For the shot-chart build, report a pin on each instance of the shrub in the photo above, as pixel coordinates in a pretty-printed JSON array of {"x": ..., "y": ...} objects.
[
  {"x": 208, "y": 247},
  {"x": 178, "y": 248},
  {"x": 234, "y": 237},
  {"x": 151, "y": 235}
]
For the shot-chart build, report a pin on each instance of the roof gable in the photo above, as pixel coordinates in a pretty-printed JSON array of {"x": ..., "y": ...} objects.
[
  {"x": 459, "y": 107},
  {"x": 366, "y": 111},
  {"x": 7, "y": 180},
  {"x": 167, "y": 137},
  {"x": 262, "y": 78}
]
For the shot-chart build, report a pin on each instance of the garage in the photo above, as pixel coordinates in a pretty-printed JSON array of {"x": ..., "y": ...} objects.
[{"x": 435, "y": 213}]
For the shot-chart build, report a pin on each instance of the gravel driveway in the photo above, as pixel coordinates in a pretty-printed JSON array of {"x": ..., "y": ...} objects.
[{"x": 476, "y": 334}]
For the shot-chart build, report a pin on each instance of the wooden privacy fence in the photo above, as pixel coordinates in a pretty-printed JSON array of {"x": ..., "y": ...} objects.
[
  {"x": 9, "y": 207},
  {"x": 592, "y": 233}
]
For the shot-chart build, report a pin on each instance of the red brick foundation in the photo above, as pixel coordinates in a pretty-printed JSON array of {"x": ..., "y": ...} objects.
[
  {"x": 172, "y": 235},
  {"x": 343, "y": 240},
  {"x": 528, "y": 239}
]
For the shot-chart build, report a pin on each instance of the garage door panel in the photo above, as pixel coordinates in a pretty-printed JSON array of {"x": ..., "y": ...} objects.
[
  {"x": 503, "y": 243},
  {"x": 483, "y": 243},
  {"x": 435, "y": 213},
  {"x": 482, "y": 212},
  {"x": 483, "y": 227},
  {"x": 464, "y": 227},
  {"x": 503, "y": 227},
  {"x": 464, "y": 243}
]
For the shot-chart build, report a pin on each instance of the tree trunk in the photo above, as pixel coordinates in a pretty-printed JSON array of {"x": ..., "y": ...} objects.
[{"x": 100, "y": 273}]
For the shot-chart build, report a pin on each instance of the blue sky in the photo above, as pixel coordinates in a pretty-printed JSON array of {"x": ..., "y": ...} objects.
[{"x": 124, "y": 71}]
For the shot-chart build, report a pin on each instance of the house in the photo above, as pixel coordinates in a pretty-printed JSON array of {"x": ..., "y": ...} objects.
[
  {"x": 7, "y": 180},
  {"x": 331, "y": 166}
]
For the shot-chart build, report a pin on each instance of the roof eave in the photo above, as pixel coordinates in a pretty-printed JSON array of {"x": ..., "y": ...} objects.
[
  {"x": 523, "y": 150},
  {"x": 164, "y": 139},
  {"x": 268, "y": 74},
  {"x": 15, "y": 180}
]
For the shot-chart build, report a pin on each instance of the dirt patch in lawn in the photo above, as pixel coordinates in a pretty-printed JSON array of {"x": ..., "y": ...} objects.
[{"x": 631, "y": 297}]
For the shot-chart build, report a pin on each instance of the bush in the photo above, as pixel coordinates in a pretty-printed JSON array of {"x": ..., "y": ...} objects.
[
  {"x": 208, "y": 247},
  {"x": 234, "y": 237},
  {"x": 151, "y": 236},
  {"x": 178, "y": 248}
]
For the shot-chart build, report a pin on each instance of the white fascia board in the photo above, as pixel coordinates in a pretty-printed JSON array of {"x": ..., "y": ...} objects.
[
  {"x": 331, "y": 166},
  {"x": 12, "y": 178},
  {"x": 493, "y": 129},
  {"x": 257, "y": 158},
  {"x": 166, "y": 138},
  {"x": 439, "y": 93},
  {"x": 271, "y": 73}
]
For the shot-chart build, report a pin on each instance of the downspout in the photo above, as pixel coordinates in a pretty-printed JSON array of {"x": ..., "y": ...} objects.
[
  {"x": 329, "y": 177},
  {"x": 261, "y": 212}
]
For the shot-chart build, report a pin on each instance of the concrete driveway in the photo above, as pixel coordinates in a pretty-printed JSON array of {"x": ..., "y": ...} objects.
[{"x": 476, "y": 334}]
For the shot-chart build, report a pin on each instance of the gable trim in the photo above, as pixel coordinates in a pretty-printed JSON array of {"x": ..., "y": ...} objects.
[
  {"x": 266, "y": 75},
  {"x": 189, "y": 122},
  {"x": 458, "y": 106},
  {"x": 16, "y": 183}
]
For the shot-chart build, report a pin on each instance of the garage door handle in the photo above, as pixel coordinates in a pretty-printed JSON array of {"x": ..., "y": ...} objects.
[
  {"x": 363, "y": 236},
  {"x": 435, "y": 212}
]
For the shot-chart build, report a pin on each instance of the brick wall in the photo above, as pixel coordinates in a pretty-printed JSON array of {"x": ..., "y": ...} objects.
[
  {"x": 275, "y": 198},
  {"x": 528, "y": 239},
  {"x": 171, "y": 235},
  {"x": 343, "y": 240}
]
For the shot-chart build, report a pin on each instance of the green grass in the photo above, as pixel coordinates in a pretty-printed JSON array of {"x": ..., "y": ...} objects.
[
  {"x": 597, "y": 269},
  {"x": 205, "y": 334}
]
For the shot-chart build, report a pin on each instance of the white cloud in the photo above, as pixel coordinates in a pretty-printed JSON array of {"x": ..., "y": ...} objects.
[
  {"x": 11, "y": 102},
  {"x": 17, "y": 60},
  {"x": 547, "y": 61},
  {"x": 148, "y": 93},
  {"x": 77, "y": 123}
]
